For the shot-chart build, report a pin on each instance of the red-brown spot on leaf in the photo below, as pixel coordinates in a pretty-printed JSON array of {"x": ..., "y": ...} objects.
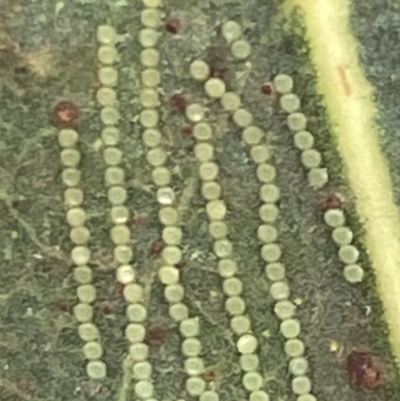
[
  {"x": 119, "y": 288},
  {"x": 156, "y": 335},
  {"x": 331, "y": 201},
  {"x": 156, "y": 247},
  {"x": 179, "y": 101},
  {"x": 218, "y": 71},
  {"x": 187, "y": 130},
  {"x": 142, "y": 219},
  {"x": 173, "y": 25},
  {"x": 107, "y": 308},
  {"x": 63, "y": 305},
  {"x": 267, "y": 88},
  {"x": 65, "y": 114},
  {"x": 364, "y": 370},
  {"x": 210, "y": 374}
]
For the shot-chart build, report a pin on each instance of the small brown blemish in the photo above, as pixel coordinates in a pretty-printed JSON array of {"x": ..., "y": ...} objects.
[
  {"x": 142, "y": 219},
  {"x": 65, "y": 114},
  {"x": 218, "y": 71},
  {"x": 156, "y": 335},
  {"x": 187, "y": 130},
  {"x": 179, "y": 101},
  {"x": 267, "y": 88},
  {"x": 210, "y": 374},
  {"x": 331, "y": 201},
  {"x": 364, "y": 370},
  {"x": 344, "y": 79},
  {"x": 173, "y": 25},
  {"x": 63, "y": 306},
  {"x": 107, "y": 308},
  {"x": 119, "y": 288},
  {"x": 156, "y": 247}
]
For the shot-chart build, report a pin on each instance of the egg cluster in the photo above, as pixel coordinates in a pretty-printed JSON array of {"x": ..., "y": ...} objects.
[
  {"x": 318, "y": 176},
  {"x": 216, "y": 209},
  {"x": 169, "y": 216},
  {"x": 80, "y": 253},
  {"x": 260, "y": 156}
]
